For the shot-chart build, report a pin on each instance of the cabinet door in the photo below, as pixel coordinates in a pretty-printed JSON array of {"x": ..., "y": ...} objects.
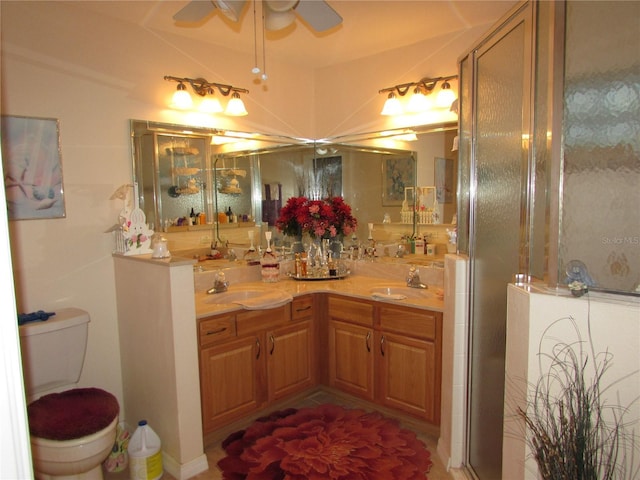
[
  {"x": 351, "y": 358},
  {"x": 290, "y": 357},
  {"x": 407, "y": 376},
  {"x": 231, "y": 380}
]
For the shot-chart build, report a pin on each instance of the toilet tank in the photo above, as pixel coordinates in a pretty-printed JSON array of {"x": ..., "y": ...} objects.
[{"x": 53, "y": 351}]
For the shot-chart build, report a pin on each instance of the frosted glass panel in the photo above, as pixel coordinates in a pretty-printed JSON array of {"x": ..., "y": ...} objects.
[
  {"x": 600, "y": 223},
  {"x": 464, "y": 154},
  {"x": 496, "y": 236}
]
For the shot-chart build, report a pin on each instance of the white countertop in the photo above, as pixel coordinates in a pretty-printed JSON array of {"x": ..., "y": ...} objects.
[{"x": 357, "y": 286}]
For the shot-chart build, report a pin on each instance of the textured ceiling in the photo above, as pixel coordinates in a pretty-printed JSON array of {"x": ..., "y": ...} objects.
[{"x": 368, "y": 27}]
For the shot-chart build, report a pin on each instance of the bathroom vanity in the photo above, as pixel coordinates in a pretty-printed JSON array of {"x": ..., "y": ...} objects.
[{"x": 193, "y": 365}]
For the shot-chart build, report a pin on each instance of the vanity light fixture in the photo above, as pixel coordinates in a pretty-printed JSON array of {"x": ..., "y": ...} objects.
[
  {"x": 445, "y": 96},
  {"x": 210, "y": 104},
  {"x": 419, "y": 101},
  {"x": 392, "y": 106},
  {"x": 181, "y": 98}
]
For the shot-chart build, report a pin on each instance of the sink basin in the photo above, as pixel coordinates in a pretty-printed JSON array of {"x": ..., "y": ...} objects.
[
  {"x": 399, "y": 293},
  {"x": 250, "y": 299}
]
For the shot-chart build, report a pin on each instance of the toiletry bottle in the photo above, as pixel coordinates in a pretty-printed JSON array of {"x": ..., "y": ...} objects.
[
  {"x": 332, "y": 266},
  {"x": 270, "y": 264},
  {"x": 297, "y": 265}
]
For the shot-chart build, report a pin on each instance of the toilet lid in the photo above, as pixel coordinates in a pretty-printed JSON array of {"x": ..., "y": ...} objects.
[{"x": 72, "y": 414}]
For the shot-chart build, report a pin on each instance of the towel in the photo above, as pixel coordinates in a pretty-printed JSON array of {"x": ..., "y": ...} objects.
[{"x": 39, "y": 316}]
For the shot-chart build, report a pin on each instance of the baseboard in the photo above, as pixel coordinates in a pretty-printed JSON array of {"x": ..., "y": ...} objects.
[{"x": 185, "y": 470}]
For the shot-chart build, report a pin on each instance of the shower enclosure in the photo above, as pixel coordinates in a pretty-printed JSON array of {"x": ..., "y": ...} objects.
[{"x": 550, "y": 170}]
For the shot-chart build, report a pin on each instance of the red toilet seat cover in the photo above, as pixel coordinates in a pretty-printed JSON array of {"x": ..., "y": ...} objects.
[{"x": 72, "y": 414}]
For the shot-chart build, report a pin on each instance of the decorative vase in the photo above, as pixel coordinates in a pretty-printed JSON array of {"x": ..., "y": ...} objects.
[
  {"x": 296, "y": 245},
  {"x": 336, "y": 247}
]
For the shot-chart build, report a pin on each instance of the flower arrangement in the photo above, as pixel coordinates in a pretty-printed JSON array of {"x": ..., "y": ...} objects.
[{"x": 327, "y": 218}]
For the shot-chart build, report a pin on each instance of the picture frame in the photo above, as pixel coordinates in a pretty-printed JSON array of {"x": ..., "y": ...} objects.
[
  {"x": 443, "y": 174},
  {"x": 32, "y": 164},
  {"x": 398, "y": 173}
]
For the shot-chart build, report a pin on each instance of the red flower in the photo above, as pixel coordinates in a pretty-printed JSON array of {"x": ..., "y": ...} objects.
[{"x": 319, "y": 218}]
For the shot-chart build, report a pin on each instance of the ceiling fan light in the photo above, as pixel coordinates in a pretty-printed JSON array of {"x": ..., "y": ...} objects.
[
  {"x": 181, "y": 98},
  {"x": 276, "y": 20},
  {"x": 392, "y": 106},
  {"x": 235, "y": 107},
  {"x": 445, "y": 96}
]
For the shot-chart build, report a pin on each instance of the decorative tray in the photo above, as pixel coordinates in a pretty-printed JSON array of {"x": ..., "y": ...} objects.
[{"x": 315, "y": 279}]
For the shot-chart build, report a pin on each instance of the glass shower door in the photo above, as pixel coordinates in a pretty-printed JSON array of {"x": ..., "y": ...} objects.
[{"x": 498, "y": 213}]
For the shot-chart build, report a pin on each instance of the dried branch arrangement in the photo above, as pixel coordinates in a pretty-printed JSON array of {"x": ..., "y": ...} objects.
[{"x": 573, "y": 430}]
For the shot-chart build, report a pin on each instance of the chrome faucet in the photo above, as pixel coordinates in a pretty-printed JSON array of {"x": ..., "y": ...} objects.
[
  {"x": 413, "y": 279},
  {"x": 220, "y": 284}
]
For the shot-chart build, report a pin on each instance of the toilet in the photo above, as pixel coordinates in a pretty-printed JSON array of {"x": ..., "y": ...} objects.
[{"x": 72, "y": 429}]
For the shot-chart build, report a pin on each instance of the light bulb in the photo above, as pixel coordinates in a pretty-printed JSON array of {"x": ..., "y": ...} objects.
[
  {"x": 445, "y": 96},
  {"x": 211, "y": 105},
  {"x": 419, "y": 102},
  {"x": 181, "y": 98},
  {"x": 235, "y": 107},
  {"x": 392, "y": 106}
]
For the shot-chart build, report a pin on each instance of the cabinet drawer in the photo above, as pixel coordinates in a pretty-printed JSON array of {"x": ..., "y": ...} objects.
[
  {"x": 302, "y": 308},
  {"x": 352, "y": 311},
  {"x": 215, "y": 329},
  {"x": 252, "y": 321},
  {"x": 412, "y": 322}
]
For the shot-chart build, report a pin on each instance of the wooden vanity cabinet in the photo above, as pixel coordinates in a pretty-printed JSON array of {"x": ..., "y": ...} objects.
[
  {"x": 409, "y": 360},
  {"x": 351, "y": 338},
  {"x": 252, "y": 357},
  {"x": 387, "y": 354},
  {"x": 231, "y": 371},
  {"x": 291, "y": 365}
]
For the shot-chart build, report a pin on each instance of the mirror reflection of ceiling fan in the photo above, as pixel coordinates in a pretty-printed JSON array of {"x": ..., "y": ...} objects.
[{"x": 278, "y": 14}]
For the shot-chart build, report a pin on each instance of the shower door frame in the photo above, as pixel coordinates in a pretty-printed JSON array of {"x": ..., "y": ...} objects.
[{"x": 521, "y": 14}]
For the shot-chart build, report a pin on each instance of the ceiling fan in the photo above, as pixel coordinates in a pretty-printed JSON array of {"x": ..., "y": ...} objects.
[{"x": 278, "y": 14}]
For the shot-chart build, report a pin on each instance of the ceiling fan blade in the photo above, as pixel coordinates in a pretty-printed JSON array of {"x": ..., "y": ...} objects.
[
  {"x": 194, "y": 11},
  {"x": 318, "y": 14}
]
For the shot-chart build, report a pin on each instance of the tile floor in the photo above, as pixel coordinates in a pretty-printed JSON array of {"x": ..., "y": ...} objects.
[{"x": 214, "y": 452}]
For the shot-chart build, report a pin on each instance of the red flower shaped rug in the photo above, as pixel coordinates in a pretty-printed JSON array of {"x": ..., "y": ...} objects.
[{"x": 325, "y": 442}]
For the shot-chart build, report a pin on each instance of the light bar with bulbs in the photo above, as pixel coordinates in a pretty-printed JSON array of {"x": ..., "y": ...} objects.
[
  {"x": 210, "y": 104},
  {"x": 419, "y": 100}
]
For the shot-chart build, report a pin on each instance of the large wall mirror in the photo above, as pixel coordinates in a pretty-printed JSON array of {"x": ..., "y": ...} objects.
[{"x": 236, "y": 177}]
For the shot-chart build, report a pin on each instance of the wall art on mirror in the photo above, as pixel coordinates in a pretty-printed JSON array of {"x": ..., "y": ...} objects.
[
  {"x": 32, "y": 167},
  {"x": 397, "y": 174},
  {"x": 444, "y": 179}
]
